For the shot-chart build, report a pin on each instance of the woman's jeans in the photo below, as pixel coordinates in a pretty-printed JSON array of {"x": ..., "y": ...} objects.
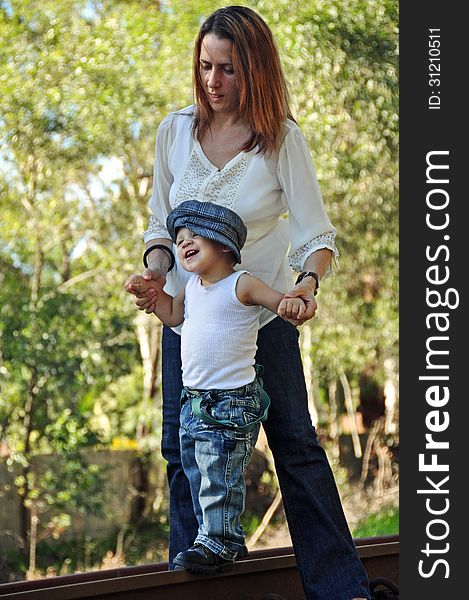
[
  {"x": 214, "y": 459},
  {"x": 327, "y": 559}
]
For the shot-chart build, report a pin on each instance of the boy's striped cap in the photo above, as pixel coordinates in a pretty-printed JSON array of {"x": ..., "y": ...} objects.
[{"x": 211, "y": 221}]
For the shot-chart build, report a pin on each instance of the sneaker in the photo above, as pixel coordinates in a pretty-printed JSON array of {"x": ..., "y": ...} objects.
[{"x": 200, "y": 559}]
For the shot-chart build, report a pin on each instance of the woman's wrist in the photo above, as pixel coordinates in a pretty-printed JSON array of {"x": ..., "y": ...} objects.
[
  {"x": 159, "y": 257},
  {"x": 158, "y": 260},
  {"x": 309, "y": 280},
  {"x": 306, "y": 288}
]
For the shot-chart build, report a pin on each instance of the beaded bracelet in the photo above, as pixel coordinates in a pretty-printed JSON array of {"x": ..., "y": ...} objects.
[{"x": 160, "y": 247}]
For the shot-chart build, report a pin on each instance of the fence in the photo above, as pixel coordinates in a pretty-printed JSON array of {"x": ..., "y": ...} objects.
[{"x": 125, "y": 489}]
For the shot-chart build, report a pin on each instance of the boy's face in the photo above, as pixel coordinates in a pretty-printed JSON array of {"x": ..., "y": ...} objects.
[{"x": 196, "y": 253}]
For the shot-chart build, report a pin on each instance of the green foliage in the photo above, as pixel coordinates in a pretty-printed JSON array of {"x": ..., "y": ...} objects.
[
  {"x": 143, "y": 545},
  {"x": 347, "y": 105},
  {"x": 84, "y": 86}
]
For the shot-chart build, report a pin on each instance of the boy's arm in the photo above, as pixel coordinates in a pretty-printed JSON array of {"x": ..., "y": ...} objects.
[
  {"x": 254, "y": 292},
  {"x": 169, "y": 309}
]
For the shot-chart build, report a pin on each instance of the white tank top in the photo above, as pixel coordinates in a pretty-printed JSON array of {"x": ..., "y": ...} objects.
[{"x": 218, "y": 336}]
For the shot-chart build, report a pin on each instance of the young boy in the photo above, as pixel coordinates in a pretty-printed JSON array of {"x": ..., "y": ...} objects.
[{"x": 223, "y": 401}]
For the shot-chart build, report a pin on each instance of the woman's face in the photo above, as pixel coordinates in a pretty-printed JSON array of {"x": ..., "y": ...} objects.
[{"x": 217, "y": 74}]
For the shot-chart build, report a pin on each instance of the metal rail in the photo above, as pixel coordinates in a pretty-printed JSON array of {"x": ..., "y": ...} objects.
[{"x": 263, "y": 572}]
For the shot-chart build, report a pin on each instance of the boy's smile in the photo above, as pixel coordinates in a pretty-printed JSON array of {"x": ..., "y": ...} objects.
[
  {"x": 200, "y": 255},
  {"x": 190, "y": 248},
  {"x": 188, "y": 254}
]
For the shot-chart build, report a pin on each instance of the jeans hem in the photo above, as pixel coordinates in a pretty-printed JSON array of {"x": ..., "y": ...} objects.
[
  {"x": 357, "y": 593},
  {"x": 216, "y": 547}
]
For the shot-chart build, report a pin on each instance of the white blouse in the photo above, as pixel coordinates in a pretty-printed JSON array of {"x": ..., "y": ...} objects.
[{"x": 262, "y": 189}]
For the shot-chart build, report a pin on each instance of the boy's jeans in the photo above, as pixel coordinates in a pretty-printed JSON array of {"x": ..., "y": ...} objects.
[{"x": 213, "y": 459}]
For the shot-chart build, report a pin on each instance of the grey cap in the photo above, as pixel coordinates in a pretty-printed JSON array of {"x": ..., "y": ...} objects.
[{"x": 211, "y": 221}]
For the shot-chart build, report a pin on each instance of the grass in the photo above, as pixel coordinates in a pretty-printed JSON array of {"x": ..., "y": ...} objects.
[{"x": 385, "y": 522}]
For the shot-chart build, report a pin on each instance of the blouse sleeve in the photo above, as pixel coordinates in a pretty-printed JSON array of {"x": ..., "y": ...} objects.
[
  {"x": 310, "y": 227},
  {"x": 162, "y": 180}
]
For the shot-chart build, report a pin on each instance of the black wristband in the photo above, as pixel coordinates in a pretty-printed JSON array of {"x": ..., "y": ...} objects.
[
  {"x": 304, "y": 274},
  {"x": 161, "y": 247}
]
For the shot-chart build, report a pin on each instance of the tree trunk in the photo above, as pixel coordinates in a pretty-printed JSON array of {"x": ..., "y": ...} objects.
[
  {"x": 28, "y": 426},
  {"x": 308, "y": 369},
  {"x": 391, "y": 388},
  {"x": 28, "y": 419},
  {"x": 351, "y": 415},
  {"x": 31, "y": 572},
  {"x": 149, "y": 335},
  {"x": 334, "y": 418},
  {"x": 265, "y": 521}
]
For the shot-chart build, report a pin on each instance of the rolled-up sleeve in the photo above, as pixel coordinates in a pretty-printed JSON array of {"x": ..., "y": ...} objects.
[
  {"x": 310, "y": 227},
  {"x": 162, "y": 180}
]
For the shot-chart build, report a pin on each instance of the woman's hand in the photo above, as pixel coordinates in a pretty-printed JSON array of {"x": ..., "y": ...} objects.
[
  {"x": 146, "y": 296},
  {"x": 305, "y": 291}
]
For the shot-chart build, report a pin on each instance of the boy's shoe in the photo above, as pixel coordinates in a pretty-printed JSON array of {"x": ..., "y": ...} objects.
[{"x": 200, "y": 559}]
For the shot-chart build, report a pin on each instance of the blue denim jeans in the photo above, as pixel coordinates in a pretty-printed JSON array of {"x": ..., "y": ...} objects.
[
  {"x": 328, "y": 563},
  {"x": 214, "y": 459}
]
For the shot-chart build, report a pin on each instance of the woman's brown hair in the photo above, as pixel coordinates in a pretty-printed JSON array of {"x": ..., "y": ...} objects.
[{"x": 263, "y": 95}]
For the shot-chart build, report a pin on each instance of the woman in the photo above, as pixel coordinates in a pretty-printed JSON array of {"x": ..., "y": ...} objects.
[{"x": 238, "y": 146}]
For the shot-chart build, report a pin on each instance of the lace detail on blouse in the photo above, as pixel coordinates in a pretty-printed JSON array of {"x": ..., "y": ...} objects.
[
  {"x": 203, "y": 184},
  {"x": 325, "y": 240},
  {"x": 225, "y": 185},
  {"x": 156, "y": 229},
  {"x": 195, "y": 174}
]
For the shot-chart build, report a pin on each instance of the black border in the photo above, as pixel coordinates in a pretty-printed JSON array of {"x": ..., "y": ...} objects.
[{"x": 423, "y": 130}]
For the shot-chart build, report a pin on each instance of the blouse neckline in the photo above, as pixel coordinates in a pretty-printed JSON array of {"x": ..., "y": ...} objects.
[{"x": 209, "y": 164}]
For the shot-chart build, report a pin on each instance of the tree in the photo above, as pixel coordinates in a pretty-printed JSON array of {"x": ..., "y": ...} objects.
[{"x": 84, "y": 87}]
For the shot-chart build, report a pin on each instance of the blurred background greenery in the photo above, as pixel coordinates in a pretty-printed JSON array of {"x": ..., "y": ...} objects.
[{"x": 84, "y": 85}]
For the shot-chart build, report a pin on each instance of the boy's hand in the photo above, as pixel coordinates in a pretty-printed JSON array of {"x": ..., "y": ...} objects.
[
  {"x": 145, "y": 288},
  {"x": 292, "y": 309},
  {"x": 305, "y": 291}
]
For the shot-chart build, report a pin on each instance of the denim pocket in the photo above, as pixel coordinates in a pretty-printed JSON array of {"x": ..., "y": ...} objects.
[
  {"x": 249, "y": 417},
  {"x": 251, "y": 407},
  {"x": 240, "y": 410},
  {"x": 246, "y": 411},
  {"x": 250, "y": 403}
]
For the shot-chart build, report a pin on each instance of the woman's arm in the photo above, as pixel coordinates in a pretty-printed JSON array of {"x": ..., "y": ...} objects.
[
  {"x": 158, "y": 263},
  {"x": 158, "y": 260},
  {"x": 310, "y": 228},
  {"x": 318, "y": 262},
  {"x": 312, "y": 235}
]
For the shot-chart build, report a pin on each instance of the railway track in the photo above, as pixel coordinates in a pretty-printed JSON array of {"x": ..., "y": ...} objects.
[{"x": 264, "y": 572}]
